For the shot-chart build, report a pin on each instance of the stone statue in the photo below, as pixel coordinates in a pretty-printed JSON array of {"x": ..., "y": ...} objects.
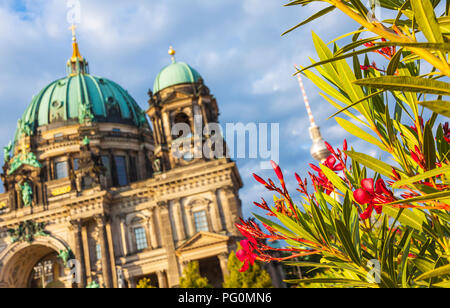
[
  {"x": 7, "y": 152},
  {"x": 27, "y": 194},
  {"x": 65, "y": 255},
  {"x": 120, "y": 279},
  {"x": 85, "y": 113},
  {"x": 93, "y": 285},
  {"x": 157, "y": 165},
  {"x": 24, "y": 127},
  {"x": 27, "y": 231},
  {"x": 24, "y": 159}
]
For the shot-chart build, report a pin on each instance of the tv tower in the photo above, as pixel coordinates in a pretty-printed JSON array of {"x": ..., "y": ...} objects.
[{"x": 318, "y": 149}]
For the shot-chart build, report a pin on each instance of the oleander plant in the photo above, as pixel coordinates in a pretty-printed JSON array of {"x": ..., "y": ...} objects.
[{"x": 376, "y": 222}]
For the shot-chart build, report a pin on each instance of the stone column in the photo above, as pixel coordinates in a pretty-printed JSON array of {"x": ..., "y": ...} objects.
[
  {"x": 226, "y": 209},
  {"x": 79, "y": 252},
  {"x": 231, "y": 208},
  {"x": 173, "y": 273},
  {"x": 223, "y": 260},
  {"x": 106, "y": 265},
  {"x": 112, "y": 255},
  {"x": 123, "y": 235},
  {"x": 152, "y": 224},
  {"x": 162, "y": 279},
  {"x": 217, "y": 211},
  {"x": 87, "y": 257},
  {"x": 177, "y": 215},
  {"x": 190, "y": 221}
]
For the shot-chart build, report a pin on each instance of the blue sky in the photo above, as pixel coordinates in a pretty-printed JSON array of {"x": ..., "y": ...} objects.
[{"x": 236, "y": 45}]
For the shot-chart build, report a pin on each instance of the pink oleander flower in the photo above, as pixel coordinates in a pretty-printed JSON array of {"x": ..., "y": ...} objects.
[
  {"x": 373, "y": 197},
  {"x": 246, "y": 254}
]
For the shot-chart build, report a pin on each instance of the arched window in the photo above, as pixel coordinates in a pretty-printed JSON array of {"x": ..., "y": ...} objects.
[
  {"x": 141, "y": 238},
  {"x": 200, "y": 221}
]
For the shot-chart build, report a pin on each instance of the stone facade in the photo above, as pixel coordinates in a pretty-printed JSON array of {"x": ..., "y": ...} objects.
[{"x": 111, "y": 196}]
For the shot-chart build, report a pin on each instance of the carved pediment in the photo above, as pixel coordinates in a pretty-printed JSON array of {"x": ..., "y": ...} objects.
[{"x": 203, "y": 239}]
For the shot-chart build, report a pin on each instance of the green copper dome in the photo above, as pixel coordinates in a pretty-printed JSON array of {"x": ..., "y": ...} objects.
[
  {"x": 79, "y": 98},
  {"x": 173, "y": 74}
]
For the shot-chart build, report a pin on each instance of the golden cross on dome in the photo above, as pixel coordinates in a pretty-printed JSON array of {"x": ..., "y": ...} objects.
[{"x": 73, "y": 27}]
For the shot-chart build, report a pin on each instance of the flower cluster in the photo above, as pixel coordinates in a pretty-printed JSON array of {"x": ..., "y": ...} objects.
[
  {"x": 335, "y": 162},
  {"x": 388, "y": 52},
  {"x": 246, "y": 254},
  {"x": 372, "y": 196}
]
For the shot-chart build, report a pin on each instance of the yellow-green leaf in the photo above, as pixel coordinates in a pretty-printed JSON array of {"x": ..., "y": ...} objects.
[
  {"x": 407, "y": 84},
  {"x": 358, "y": 132}
]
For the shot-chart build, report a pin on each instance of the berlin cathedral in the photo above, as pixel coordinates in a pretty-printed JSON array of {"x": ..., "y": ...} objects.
[{"x": 92, "y": 190}]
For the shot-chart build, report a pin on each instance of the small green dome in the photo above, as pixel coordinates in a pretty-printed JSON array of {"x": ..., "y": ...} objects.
[
  {"x": 173, "y": 74},
  {"x": 79, "y": 98}
]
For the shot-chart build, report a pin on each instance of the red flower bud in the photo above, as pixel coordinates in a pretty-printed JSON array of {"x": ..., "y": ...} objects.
[
  {"x": 329, "y": 147},
  {"x": 260, "y": 180},
  {"x": 338, "y": 167},
  {"x": 277, "y": 170}
]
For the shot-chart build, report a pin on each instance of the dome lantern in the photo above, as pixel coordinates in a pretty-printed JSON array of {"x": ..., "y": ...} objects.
[
  {"x": 76, "y": 64},
  {"x": 174, "y": 74}
]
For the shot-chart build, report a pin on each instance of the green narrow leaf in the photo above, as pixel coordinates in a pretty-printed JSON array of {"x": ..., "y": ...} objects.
[
  {"x": 341, "y": 57},
  {"x": 310, "y": 264},
  {"x": 319, "y": 222},
  {"x": 438, "y": 106},
  {"x": 406, "y": 83},
  {"x": 372, "y": 163},
  {"x": 440, "y": 271},
  {"x": 429, "y": 148},
  {"x": 337, "y": 106},
  {"x": 334, "y": 178},
  {"x": 356, "y": 103},
  {"x": 349, "y": 282},
  {"x": 425, "y": 18},
  {"x": 276, "y": 226},
  {"x": 431, "y": 46},
  {"x": 358, "y": 132},
  {"x": 395, "y": 61},
  {"x": 428, "y": 197},
  {"x": 407, "y": 217},
  {"x": 311, "y": 18},
  {"x": 422, "y": 176},
  {"x": 404, "y": 263},
  {"x": 346, "y": 240}
]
